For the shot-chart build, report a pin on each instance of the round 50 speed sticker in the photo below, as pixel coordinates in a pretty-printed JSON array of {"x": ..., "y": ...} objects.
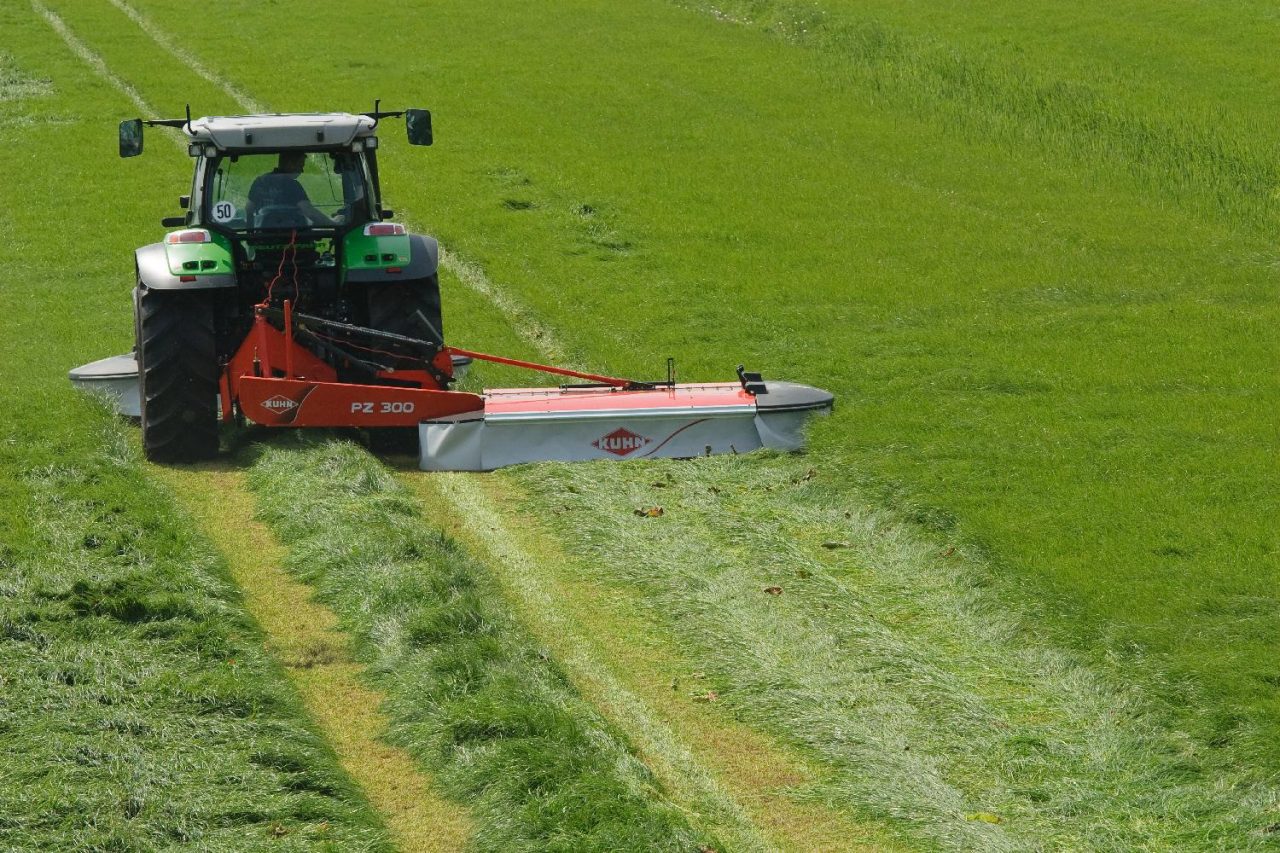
[{"x": 223, "y": 211}]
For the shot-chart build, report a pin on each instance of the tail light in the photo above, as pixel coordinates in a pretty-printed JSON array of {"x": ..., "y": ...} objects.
[
  {"x": 384, "y": 229},
  {"x": 190, "y": 235}
]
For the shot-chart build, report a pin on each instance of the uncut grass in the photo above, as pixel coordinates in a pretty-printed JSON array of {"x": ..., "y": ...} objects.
[
  {"x": 139, "y": 709},
  {"x": 1061, "y": 359},
  {"x": 1209, "y": 61},
  {"x": 469, "y": 693},
  {"x": 935, "y": 704},
  {"x": 1018, "y": 94}
]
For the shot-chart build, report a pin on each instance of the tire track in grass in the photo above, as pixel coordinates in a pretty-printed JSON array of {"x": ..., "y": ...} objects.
[
  {"x": 89, "y": 57},
  {"x": 305, "y": 637},
  {"x": 740, "y": 781},
  {"x": 163, "y": 39}
]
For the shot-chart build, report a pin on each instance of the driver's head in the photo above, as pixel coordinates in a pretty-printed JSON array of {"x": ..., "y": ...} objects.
[{"x": 292, "y": 162}]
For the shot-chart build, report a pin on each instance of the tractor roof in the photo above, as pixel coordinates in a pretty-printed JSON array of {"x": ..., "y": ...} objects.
[{"x": 280, "y": 130}]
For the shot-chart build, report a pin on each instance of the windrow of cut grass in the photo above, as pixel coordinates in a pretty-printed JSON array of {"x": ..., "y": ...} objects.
[
  {"x": 469, "y": 693},
  {"x": 936, "y": 707},
  {"x": 740, "y": 783}
]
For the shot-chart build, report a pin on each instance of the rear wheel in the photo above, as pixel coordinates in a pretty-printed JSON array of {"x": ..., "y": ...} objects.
[
  {"x": 178, "y": 366},
  {"x": 410, "y": 308}
]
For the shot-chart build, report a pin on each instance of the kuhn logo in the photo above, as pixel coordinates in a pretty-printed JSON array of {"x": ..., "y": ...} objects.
[
  {"x": 620, "y": 442},
  {"x": 279, "y": 404}
]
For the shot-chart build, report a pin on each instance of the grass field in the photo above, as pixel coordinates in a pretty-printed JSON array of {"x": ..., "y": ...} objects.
[{"x": 1032, "y": 249}]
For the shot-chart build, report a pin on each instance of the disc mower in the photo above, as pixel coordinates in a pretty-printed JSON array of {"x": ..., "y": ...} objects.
[{"x": 288, "y": 296}]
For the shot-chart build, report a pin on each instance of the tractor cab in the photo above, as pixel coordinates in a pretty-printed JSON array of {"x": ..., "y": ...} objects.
[
  {"x": 294, "y": 189},
  {"x": 308, "y": 171},
  {"x": 284, "y": 225}
]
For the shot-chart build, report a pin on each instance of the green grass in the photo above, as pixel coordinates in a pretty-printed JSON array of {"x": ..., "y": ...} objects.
[
  {"x": 469, "y": 693},
  {"x": 140, "y": 711},
  {"x": 16, "y": 84},
  {"x": 1206, "y": 61},
  {"x": 1179, "y": 121},
  {"x": 1061, "y": 359},
  {"x": 1035, "y": 261}
]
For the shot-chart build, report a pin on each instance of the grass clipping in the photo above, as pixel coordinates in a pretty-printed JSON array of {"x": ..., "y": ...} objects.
[{"x": 469, "y": 693}]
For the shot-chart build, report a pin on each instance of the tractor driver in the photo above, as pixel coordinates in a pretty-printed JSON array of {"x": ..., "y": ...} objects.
[{"x": 280, "y": 188}]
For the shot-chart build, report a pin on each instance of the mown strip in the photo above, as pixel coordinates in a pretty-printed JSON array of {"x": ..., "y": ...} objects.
[
  {"x": 884, "y": 656},
  {"x": 139, "y": 710},
  {"x": 739, "y": 781},
  {"x": 303, "y": 635},
  {"x": 469, "y": 692}
]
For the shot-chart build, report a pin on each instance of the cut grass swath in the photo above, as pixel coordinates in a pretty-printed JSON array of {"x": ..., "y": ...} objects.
[
  {"x": 739, "y": 782},
  {"x": 885, "y": 656},
  {"x": 468, "y": 692}
]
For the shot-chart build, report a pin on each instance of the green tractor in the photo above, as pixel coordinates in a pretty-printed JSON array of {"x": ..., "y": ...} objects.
[{"x": 283, "y": 208}]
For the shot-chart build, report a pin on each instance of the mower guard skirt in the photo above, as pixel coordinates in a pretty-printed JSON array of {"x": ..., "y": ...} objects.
[
  {"x": 571, "y": 425},
  {"x": 116, "y": 378}
]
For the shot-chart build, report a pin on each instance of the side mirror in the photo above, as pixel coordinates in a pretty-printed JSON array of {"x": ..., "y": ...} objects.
[
  {"x": 131, "y": 137},
  {"x": 173, "y": 221},
  {"x": 417, "y": 124}
]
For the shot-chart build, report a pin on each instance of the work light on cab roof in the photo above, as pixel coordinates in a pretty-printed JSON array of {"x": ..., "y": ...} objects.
[{"x": 287, "y": 297}]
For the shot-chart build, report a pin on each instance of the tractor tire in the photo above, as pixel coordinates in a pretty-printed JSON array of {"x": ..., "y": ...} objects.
[
  {"x": 178, "y": 369},
  {"x": 410, "y": 308}
]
